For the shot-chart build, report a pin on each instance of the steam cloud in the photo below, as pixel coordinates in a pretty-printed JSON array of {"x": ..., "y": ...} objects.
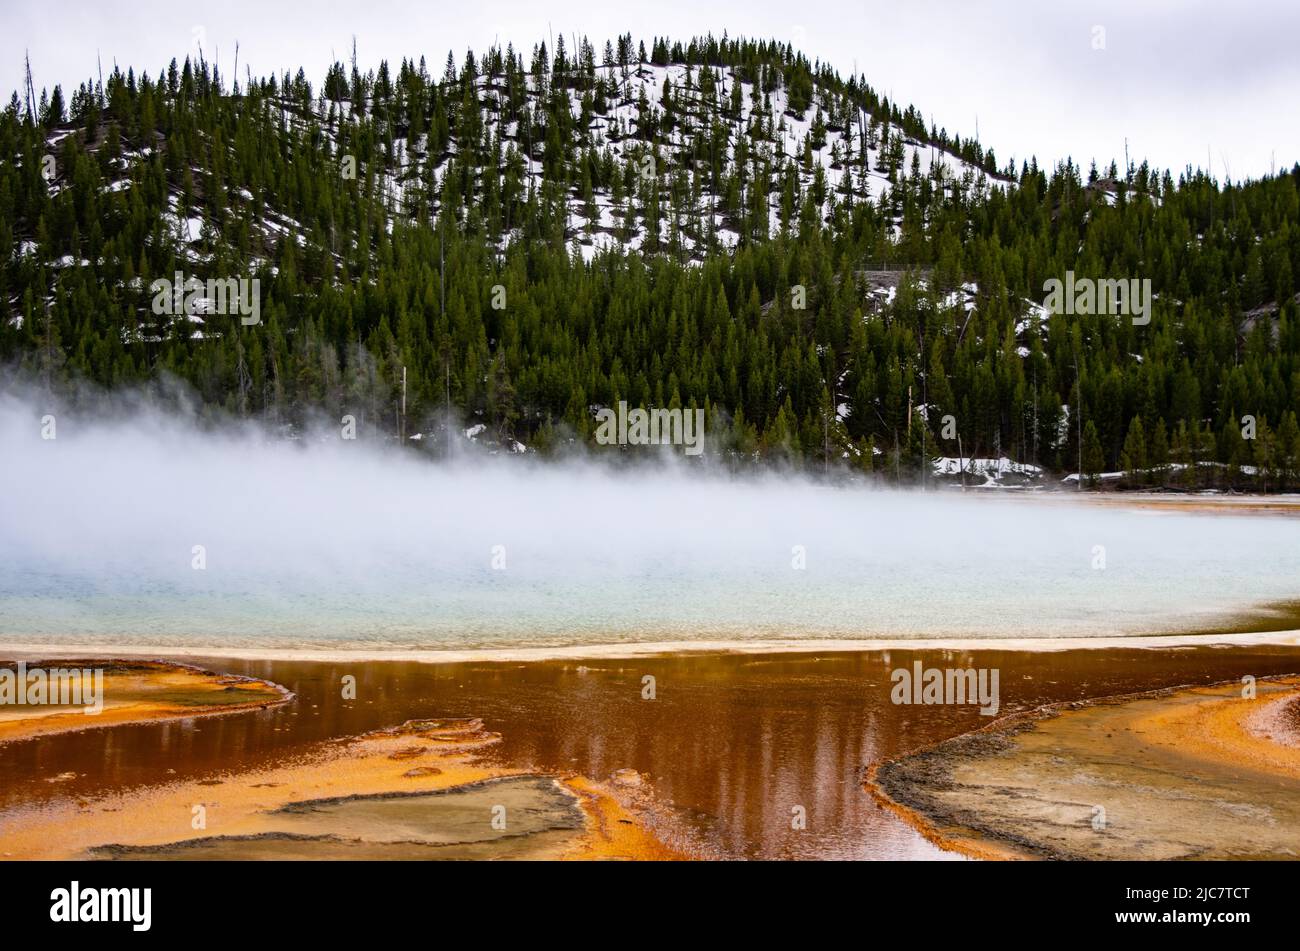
[{"x": 318, "y": 540}]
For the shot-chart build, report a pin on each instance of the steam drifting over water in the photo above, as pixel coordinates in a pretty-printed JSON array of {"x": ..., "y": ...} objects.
[{"x": 326, "y": 542}]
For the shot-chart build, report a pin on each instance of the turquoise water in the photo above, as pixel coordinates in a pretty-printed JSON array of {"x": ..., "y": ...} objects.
[{"x": 329, "y": 543}]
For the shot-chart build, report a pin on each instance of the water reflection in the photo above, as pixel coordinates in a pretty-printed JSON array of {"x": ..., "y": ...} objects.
[{"x": 733, "y": 742}]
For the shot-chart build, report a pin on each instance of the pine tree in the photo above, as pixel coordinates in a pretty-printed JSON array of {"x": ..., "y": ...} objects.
[
  {"x": 1134, "y": 458},
  {"x": 1093, "y": 459}
]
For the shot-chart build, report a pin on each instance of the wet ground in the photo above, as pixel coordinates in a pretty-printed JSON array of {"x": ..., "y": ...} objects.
[{"x": 758, "y": 756}]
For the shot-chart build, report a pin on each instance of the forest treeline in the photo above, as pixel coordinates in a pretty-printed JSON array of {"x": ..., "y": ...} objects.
[{"x": 836, "y": 327}]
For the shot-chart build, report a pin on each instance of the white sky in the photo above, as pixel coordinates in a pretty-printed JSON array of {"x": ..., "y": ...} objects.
[{"x": 1183, "y": 80}]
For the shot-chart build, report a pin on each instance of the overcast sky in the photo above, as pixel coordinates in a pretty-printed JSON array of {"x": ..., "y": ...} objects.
[{"x": 1185, "y": 81}]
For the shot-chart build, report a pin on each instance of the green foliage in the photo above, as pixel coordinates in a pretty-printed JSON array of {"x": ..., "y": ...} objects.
[{"x": 359, "y": 280}]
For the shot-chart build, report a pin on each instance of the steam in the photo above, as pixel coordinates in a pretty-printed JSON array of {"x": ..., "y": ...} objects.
[{"x": 322, "y": 540}]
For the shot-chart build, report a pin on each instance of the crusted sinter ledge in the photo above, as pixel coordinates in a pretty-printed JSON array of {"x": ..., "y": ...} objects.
[{"x": 1186, "y": 773}]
